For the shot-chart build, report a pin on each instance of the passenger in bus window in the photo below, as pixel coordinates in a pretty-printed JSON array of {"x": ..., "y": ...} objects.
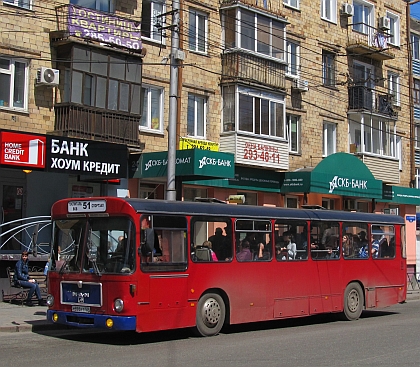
[
  {"x": 329, "y": 242},
  {"x": 219, "y": 244},
  {"x": 289, "y": 247},
  {"x": 387, "y": 248},
  {"x": 245, "y": 253},
  {"x": 208, "y": 245},
  {"x": 347, "y": 247},
  {"x": 363, "y": 245},
  {"x": 263, "y": 252},
  {"x": 375, "y": 246}
]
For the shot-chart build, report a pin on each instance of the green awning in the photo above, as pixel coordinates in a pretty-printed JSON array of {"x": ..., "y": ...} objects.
[
  {"x": 338, "y": 174},
  {"x": 401, "y": 195},
  {"x": 190, "y": 163},
  {"x": 246, "y": 179}
]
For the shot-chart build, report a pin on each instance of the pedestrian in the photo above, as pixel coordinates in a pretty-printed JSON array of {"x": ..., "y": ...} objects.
[{"x": 22, "y": 279}]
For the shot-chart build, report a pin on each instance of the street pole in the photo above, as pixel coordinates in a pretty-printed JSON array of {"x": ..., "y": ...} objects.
[{"x": 173, "y": 102}]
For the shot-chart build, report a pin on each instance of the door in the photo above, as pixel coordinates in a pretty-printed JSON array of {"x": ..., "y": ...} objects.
[{"x": 11, "y": 211}]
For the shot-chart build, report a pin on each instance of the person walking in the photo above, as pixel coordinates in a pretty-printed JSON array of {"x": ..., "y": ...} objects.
[{"x": 22, "y": 279}]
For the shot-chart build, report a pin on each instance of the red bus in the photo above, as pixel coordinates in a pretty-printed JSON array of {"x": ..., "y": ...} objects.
[{"x": 147, "y": 265}]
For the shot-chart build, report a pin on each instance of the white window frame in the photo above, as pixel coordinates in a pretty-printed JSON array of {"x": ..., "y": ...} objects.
[
  {"x": 292, "y": 3},
  {"x": 329, "y": 10},
  {"x": 394, "y": 87},
  {"x": 394, "y": 32},
  {"x": 369, "y": 134},
  {"x": 415, "y": 44},
  {"x": 150, "y": 125},
  {"x": 200, "y": 17},
  {"x": 272, "y": 99},
  {"x": 365, "y": 23},
  {"x": 11, "y": 73},
  {"x": 417, "y": 178},
  {"x": 293, "y": 121},
  {"x": 292, "y": 49},
  {"x": 329, "y": 138},
  {"x": 417, "y": 135},
  {"x": 155, "y": 34},
  {"x": 197, "y": 100},
  {"x": 19, "y": 3},
  {"x": 273, "y": 52}
]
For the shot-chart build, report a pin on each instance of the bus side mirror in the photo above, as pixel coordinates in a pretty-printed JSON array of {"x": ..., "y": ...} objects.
[{"x": 147, "y": 241}]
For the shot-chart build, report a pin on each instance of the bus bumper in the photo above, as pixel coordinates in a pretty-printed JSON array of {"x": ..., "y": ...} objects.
[{"x": 91, "y": 321}]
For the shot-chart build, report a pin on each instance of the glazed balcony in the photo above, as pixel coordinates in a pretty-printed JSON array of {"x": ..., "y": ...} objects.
[
  {"x": 238, "y": 65},
  {"x": 94, "y": 124}
]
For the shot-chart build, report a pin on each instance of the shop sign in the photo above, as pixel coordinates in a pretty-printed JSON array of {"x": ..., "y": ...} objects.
[
  {"x": 188, "y": 143},
  {"x": 23, "y": 150},
  {"x": 191, "y": 162},
  {"x": 86, "y": 157},
  {"x": 104, "y": 27}
]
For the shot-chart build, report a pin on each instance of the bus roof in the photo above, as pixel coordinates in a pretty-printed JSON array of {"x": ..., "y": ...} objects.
[{"x": 244, "y": 211}]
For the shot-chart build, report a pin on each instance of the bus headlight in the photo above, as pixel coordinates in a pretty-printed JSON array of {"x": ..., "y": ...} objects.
[
  {"x": 50, "y": 300},
  {"x": 118, "y": 305}
]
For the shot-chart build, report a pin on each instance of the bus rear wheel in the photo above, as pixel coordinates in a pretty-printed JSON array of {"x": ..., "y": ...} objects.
[
  {"x": 353, "y": 302},
  {"x": 211, "y": 313}
]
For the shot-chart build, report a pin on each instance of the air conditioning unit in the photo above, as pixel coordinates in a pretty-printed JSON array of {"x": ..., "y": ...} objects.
[
  {"x": 385, "y": 23},
  {"x": 347, "y": 10},
  {"x": 301, "y": 85},
  {"x": 47, "y": 76}
]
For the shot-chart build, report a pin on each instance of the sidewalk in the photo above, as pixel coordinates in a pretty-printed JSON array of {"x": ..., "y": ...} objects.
[{"x": 17, "y": 318}]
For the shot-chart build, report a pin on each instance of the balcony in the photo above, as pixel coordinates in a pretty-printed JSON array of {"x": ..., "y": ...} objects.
[
  {"x": 95, "y": 124},
  {"x": 242, "y": 66},
  {"x": 363, "y": 98},
  {"x": 373, "y": 44},
  {"x": 272, "y": 6}
]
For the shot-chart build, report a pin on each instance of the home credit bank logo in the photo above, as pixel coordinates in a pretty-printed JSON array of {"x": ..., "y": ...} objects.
[{"x": 22, "y": 150}]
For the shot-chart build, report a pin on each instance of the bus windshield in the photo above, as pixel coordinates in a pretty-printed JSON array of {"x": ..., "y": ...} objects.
[{"x": 96, "y": 245}]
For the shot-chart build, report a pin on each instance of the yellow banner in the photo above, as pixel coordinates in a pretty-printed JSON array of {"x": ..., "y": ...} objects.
[{"x": 188, "y": 143}]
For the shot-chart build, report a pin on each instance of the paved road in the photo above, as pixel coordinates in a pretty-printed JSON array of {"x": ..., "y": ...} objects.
[{"x": 388, "y": 337}]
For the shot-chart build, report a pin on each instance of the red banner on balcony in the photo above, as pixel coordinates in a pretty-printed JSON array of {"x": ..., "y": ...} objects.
[
  {"x": 23, "y": 150},
  {"x": 104, "y": 27}
]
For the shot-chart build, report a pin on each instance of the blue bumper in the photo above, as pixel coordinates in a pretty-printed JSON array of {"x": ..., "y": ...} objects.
[{"x": 92, "y": 321}]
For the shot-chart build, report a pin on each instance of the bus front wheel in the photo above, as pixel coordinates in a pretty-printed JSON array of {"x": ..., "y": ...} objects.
[
  {"x": 211, "y": 312},
  {"x": 353, "y": 302}
]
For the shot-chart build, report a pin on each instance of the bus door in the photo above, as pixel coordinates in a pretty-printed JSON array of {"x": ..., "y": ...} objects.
[
  {"x": 163, "y": 291},
  {"x": 325, "y": 254}
]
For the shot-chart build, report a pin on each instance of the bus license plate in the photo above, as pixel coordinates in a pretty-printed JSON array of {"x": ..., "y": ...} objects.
[{"x": 85, "y": 309}]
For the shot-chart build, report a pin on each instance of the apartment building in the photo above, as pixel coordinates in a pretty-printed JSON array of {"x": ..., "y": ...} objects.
[{"x": 291, "y": 102}]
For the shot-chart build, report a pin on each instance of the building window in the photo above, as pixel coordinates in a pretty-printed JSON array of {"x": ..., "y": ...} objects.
[
  {"x": 374, "y": 135},
  {"x": 329, "y": 10},
  {"x": 328, "y": 68},
  {"x": 415, "y": 44},
  {"x": 394, "y": 30},
  {"x": 196, "y": 119},
  {"x": 258, "y": 112},
  {"x": 25, "y": 4},
  {"x": 152, "y": 21},
  {"x": 394, "y": 88},
  {"x": 417, "y": 179},
  {"x": 197, "y": 31},
  {"x": 292, "y": 3},
  {"x": 329, "y": 139},
  {"x": 102, "y": 5},
  {"x": 291, "y": 202},
  {"x": 14, "y": 81},
  {"x": 103, "y": 80},
  {"x": 254, "y": 32},
  {"x": 328, "y": 203},
  {"x": 292, "y": 59},
  {"x": 293, "y": 126},
  {"x": 363, "y": 17},
  {"x": 152, "y": 114},
  {"x": 417, "y": 136},
  {"x": 416, "y": 91}
]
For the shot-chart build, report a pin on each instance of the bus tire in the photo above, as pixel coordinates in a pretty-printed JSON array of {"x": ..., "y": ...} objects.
[
  {"x": 211, "y": 313},
  {"x": 353, "y": 302}
]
